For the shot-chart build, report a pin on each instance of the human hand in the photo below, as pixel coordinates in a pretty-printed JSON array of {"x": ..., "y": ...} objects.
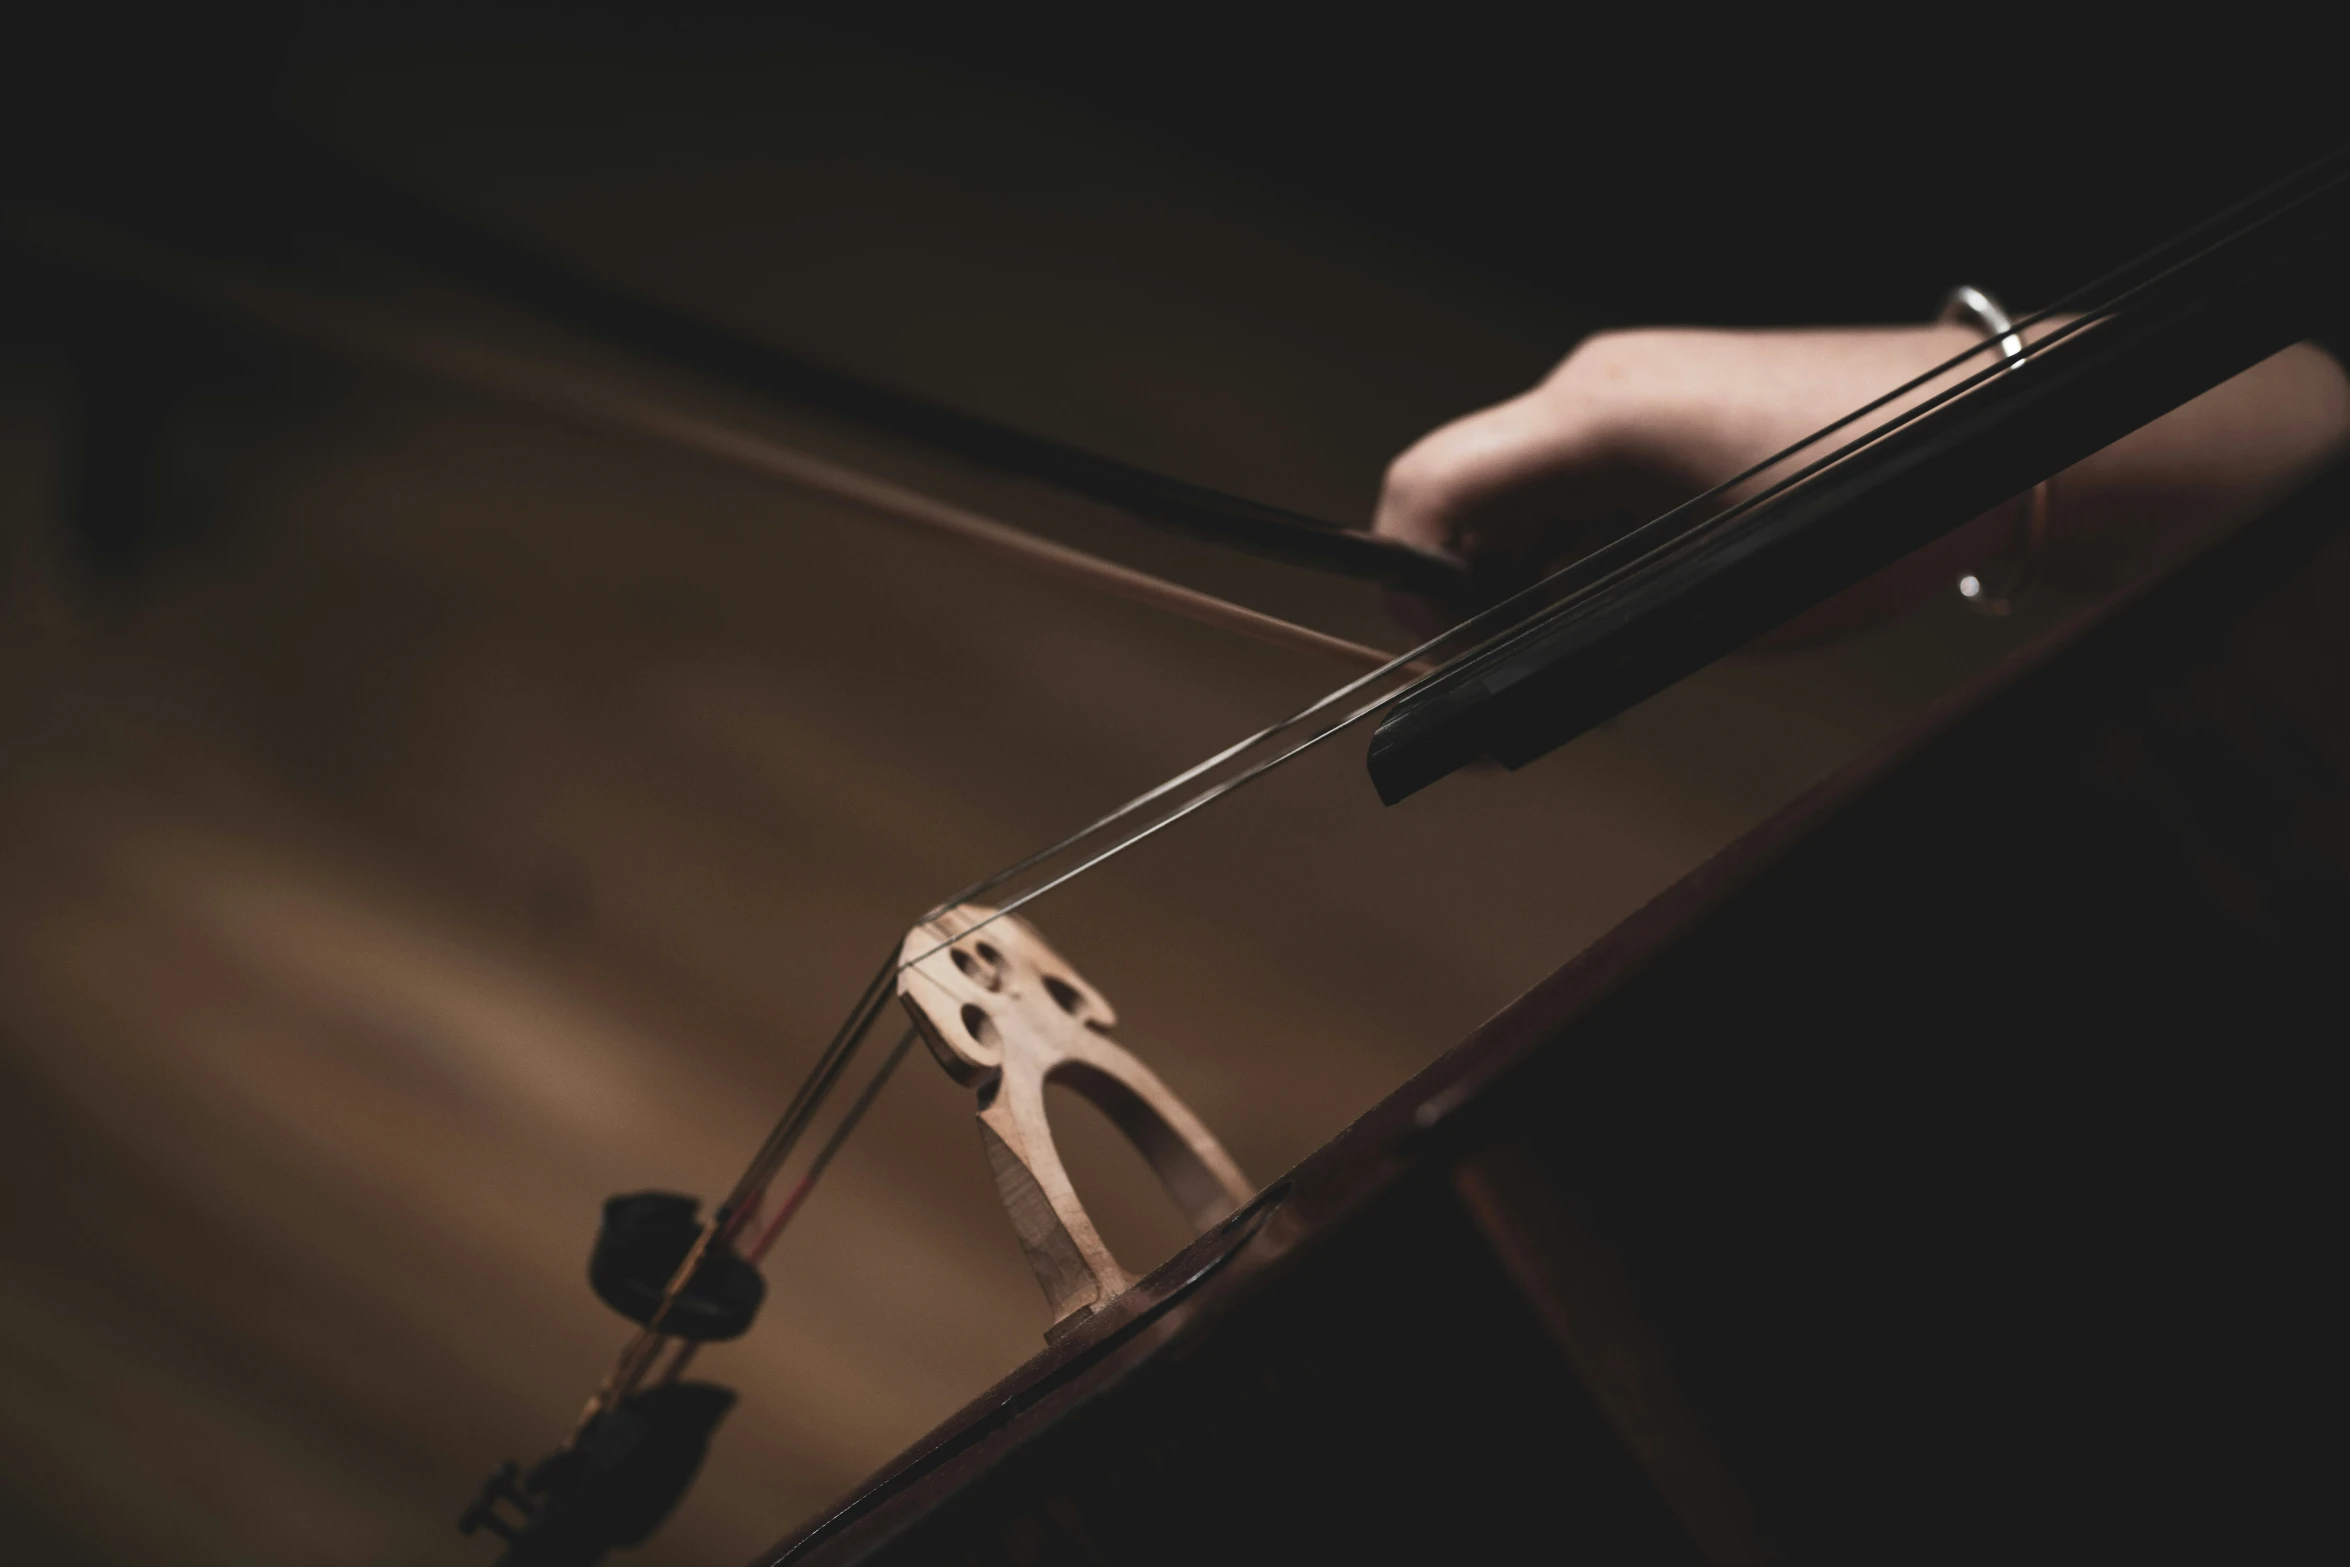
[{"x": 1632, "y": 423}]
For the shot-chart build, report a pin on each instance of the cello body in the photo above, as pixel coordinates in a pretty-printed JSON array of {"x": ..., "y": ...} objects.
[{"x": 1941, "y": 1171}]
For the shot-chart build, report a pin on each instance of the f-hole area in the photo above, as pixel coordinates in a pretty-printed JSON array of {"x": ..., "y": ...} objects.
[{"x": 1121, "y": 1192}]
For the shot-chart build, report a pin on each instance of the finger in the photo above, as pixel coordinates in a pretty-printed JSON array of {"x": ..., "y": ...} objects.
[
  {"x": 1445, "y": 485},
  {"x": 1501, "y": 488}
]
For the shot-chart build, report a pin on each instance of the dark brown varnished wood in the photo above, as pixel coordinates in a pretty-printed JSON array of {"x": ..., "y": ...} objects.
[{"x": 1955, "y": 1140}]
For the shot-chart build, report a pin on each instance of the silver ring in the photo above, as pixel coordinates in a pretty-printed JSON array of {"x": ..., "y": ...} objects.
[{"x": 1987, "y": 593}]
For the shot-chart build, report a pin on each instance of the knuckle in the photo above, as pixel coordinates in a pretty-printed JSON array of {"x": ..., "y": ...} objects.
[
  {"x": 1417, "y": 493},
  {"x": 1604, "y": 355},
  {"x": 1422, "y": 473}
]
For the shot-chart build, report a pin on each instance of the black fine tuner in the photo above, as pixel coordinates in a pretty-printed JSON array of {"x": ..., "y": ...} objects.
[{"x": 643, "y": 1240}]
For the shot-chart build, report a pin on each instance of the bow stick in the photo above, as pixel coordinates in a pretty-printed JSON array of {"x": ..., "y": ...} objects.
[{"x": 596, "y": 394}]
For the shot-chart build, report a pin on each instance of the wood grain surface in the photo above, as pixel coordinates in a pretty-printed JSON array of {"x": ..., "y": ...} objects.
[
  {"x": 479, "y": 814},
  {"x": 1007, "y": 1015}
]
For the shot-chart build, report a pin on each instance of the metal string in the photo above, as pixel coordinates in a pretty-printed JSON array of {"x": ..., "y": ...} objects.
[
  {"x": 1574, "y": 584},
  {"x": 1677, "y": 524},
  {"x": 807, "y": 1101}
]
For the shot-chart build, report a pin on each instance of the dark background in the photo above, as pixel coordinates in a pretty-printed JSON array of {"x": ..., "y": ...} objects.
[{"x": 1633, "y": 164}]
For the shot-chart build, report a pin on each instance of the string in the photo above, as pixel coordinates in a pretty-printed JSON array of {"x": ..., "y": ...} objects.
[
  {"x": 832, "y": 1146},
  {"x": 1577, "y": 583},
  {"x": 1687, "y": 512},
  {"x": 798, "y": 1196},
  {"x": 1603, "y": 571},
  {"x": 781, "y": 1141}
]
